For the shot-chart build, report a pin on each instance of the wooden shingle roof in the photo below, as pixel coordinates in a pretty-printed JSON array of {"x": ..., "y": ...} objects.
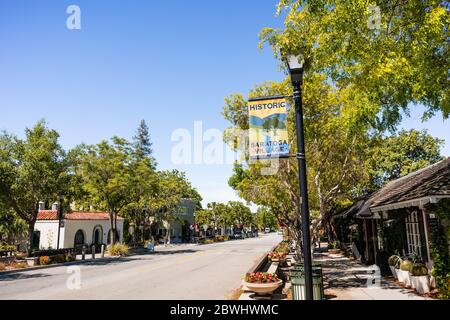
[{"x": 431, "y": 181}]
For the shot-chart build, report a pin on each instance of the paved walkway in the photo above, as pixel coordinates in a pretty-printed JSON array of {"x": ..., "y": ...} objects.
[{"x": 346, "y": 279}]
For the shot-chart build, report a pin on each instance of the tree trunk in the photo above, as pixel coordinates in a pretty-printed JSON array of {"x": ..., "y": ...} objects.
[
  {"x": 112, "y": 231},
  {"x": 115, "y": 229},
  {"x": 30, "y": 238}
]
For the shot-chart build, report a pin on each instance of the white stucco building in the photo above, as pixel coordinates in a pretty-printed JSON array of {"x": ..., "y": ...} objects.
[{"x": 77, "y": 229}]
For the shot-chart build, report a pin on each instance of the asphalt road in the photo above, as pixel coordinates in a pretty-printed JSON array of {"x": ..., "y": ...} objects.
[{"x": 180, "y": 273}]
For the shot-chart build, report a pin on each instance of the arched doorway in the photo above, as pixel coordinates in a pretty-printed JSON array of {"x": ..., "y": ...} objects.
[
  {"x": 79, "y": 239},
  {"x": 97, "y": 237}
]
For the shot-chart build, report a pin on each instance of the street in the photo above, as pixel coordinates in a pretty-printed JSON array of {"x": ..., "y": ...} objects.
[{"x": 182, "y": 272}]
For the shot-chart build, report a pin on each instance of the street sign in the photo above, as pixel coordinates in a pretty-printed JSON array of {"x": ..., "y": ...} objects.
[{"x": 268, "y": 132}]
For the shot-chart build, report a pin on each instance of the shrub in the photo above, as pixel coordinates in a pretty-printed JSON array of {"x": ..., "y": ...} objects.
[
  {"x": 394, "y": 261},
  {"x": 283, "y": 247},
  {"x": 118, "y": 249},
  {"x": 60, "y": 258},
  {"x": 333, "y": 245},
  {"x": 406, "y": 265},
  {"x": 276, "y": 255},
  {"x": 209, "y": 241},
  {"x": 20, "y": 265},
  {"x": 226, "y": 238},
  {"x": 69, "y": 257},
  {"x": 261, "y": 277},
  {"x": 220, "y": 239},
  {"x": 2, "y": 267},
  {"x": 20, "y": 255},
  {"x": 7, "y": 247},
  {"x": 44, "y": 260},
  {"x": 419, "y": 269}
]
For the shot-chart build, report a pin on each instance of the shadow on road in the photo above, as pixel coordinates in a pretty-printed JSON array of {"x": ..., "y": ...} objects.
[{"x": 21, "y": 276}]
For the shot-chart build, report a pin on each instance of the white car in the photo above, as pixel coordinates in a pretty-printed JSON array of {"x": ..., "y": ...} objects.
[{"x": 267, "y": 230}]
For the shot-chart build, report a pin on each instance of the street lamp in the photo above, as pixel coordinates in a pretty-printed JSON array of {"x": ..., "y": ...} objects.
[{"x": 295, "y": 65}]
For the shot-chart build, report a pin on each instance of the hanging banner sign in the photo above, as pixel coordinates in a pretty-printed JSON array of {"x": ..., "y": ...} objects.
[{"x": 268, "y": 128}]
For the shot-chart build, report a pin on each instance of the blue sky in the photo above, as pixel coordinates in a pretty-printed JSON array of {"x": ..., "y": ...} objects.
[{"x": 168, "y": 62}]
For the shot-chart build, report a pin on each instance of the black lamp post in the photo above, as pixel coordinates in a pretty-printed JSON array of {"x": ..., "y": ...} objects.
[{"x": 295, "y": 67}]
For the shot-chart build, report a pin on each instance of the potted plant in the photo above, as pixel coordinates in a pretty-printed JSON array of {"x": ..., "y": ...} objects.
[
  {"x": 403, "y": 272},
  {"x": 420, "y": 280},
  {"x": 262, "y": 283},
  {"x": 277, "y": 256},
  {"x": 394, "y": 264},
  {"x": 32, "y": 261},
  {"x": 333, "y": 247}
]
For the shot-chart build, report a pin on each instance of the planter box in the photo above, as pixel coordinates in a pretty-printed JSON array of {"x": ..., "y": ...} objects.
[
  {"x": 334, "y": 251},
  {"x": 33, "y": 261},
  {"x": 263, "y": 289},
  {"x": 421, "y": 284},
  {"x": 403, "y": 276},
  {"x": 394, "y": 272}
]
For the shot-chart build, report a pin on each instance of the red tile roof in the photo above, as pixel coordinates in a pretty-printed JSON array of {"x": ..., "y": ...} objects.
[{"x": 79, "y": 215}]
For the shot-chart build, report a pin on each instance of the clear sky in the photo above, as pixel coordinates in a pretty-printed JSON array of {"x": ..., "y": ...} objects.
[{"x": 168, "y": 62}]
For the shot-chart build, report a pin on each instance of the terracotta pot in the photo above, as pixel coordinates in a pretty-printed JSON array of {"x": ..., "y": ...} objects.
[
  {"x": 263, "y": 289},
  {"x": 334, "y": 251}
]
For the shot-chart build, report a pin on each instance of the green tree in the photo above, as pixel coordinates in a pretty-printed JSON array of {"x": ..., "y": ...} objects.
[
  {"x": 265, "y": 218},
  {"x": 106, "y": 175},
  {"x": 401, "y": 154},
  {"x": 32, "y": 170},
  {"x": 396, "y": 54},
  {"x": 336, "y": 138},
  {"x": 12, "y": 227},
  {"x": 241, "y": 214},
  {"x": 142, "y": 144}
]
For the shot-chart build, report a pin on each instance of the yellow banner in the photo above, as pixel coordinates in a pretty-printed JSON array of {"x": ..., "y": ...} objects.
[{"x": 268, "y": 128}]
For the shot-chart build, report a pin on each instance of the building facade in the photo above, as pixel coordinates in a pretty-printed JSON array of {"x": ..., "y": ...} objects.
[
  {"x": 181, "y": 228},
  {"x": 76, "y": 229},
  {"x": 397, "y": 219}
]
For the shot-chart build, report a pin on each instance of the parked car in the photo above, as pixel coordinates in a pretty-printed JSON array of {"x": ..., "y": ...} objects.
[
  {"x": 238, "y": 235},
  {"x": 267, "y": 230},
  {"x": 250, "y": 234}
]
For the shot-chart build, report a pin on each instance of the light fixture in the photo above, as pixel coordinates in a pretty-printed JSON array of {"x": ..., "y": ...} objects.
[{"x": 295, "y": 66}]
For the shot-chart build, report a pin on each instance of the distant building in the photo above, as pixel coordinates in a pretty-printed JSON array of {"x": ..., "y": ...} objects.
[
  {"x": 181, "y": 228},
  {"x": 76, "y": 229}
]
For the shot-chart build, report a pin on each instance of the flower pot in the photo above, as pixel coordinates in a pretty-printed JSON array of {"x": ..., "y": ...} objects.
[
  {"x": 421, "y": 283},
  {"x": 403, "y": 276},
  {"x": 394, "y": 271},
  {"x": 33, "y": 261},
  {"x": 263, "y": 289},
  {"x": 279, "y": 261},
  {"x": 334, "y": 251}
]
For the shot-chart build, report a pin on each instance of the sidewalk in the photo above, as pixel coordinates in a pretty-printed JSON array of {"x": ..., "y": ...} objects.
[{"x": 346, "y": 279}]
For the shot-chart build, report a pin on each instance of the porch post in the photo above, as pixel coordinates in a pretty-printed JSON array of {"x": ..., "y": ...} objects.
[
  {"x": 426, "y": 232},
  {"x": 366, "y": 238},
  {"x": 374, "y": 240}
]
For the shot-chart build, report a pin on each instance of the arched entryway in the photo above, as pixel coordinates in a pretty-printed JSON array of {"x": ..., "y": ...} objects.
[
  {"x": 97, "y": 237},
  {"x": 79, "y": 239}
]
